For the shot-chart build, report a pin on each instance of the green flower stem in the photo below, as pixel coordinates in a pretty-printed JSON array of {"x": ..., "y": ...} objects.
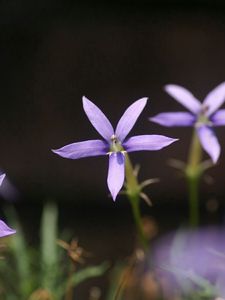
[
  {"x": 69, "y": 288},
  {"x": 193, "y": 174},
  {"x": 195, "y": 154},
  {"x": 133, "y": 192},
  {"x": 193, "y": 184}
]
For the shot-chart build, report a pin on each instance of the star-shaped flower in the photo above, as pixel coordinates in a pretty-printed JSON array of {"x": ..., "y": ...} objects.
[
  {"x": 114, "y": 143},
  {"x": 203, "y": 116},
  {"x": 5, "y": 229}
]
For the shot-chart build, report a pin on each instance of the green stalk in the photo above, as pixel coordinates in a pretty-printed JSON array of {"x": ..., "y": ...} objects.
[
  {"x": 49, "y": 255},
  {"x": 193, "y": 186},
  {"x": 193, "y": 174},
  {"x": 133, "y": 192},
  {"x": 69, "y": 287},
  {"x": 195, "y": 154}
]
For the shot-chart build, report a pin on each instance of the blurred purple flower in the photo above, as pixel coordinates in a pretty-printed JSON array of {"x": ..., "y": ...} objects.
[
  {"x": 192, "y": 259},
  {"x": 8, "y": 191},
  {"x": 2, "y": 178},
  {"x": 115, "y": 143},
  {"x": 203, "y": 116},
  {"x": 5, "y": 229}
]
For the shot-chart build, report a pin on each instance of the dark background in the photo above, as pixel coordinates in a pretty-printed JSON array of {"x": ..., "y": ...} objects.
[{"x": 54, "y": 52}]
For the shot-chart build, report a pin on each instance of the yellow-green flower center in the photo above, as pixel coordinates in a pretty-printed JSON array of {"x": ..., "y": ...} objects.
[
  {"x": 115, "y": 145},
  {"x": 202, "y": 118}
]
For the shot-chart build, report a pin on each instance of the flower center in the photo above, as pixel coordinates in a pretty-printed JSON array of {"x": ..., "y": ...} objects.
[
  {"x": 202, "y": 117},
  {"x": 115, "y": 145},
  {"x": 204, "y": 109}
]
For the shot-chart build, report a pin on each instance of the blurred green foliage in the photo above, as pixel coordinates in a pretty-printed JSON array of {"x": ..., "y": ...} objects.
[{"x": 47, "y": 272}]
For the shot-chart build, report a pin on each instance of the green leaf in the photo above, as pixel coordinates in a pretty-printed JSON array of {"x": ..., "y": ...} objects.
[
  {"x": 115, "y": 292},
  {"x": 49, "y": 232},
  {"x": 88, "y": 272},
  {"x": 80, "y": 276},
  {"x": 20, "y": 252}
]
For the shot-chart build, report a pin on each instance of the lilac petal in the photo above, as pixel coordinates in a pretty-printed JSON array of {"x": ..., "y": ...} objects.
[
  {"x": 209, "y": 142},
  {"x": 116, "y": 173},
  {"x": 184, "y": 97},
  {"x": 98, "y": 119},
  {"x": 218, "y": 118},
  {"x": 5, "y": 229},
  {"x": 174, "y": 119},
  {"x": 147, "y": 142},
  {"x": 129, "y": 118},
  {"x": 215, "y": 99},
  {"x": 83, "y": 149},
  {"x": 2, "y": 178}
]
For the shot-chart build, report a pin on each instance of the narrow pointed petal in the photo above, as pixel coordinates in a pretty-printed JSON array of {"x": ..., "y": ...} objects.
[
  {"x": 147, "y": 142},
  {"x": 5, "y": 230},
  {"x": 218, "y": 118},
  {"x": 2, "y": 178},
  {"x": 215, "y": 99},
  {"x": 116, "y": 173},
  {"x": 83, "y": 149},
  {"x": 174, "y": 119},
  {"x": 129, "y": 118},
  {"x": 209, "y": 142},
  {"x": 184, "y": 97},
  {"x": 98, "y": 119}
]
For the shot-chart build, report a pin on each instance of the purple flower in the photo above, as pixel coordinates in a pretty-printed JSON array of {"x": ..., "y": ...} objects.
[
  {"x": 2, "y": 177},
  {"x": 192, "y": 257},
  {"x": 114, "y": 143},
  {"x": 203, "y": 116},
  {"x": 5, "y": 229}
]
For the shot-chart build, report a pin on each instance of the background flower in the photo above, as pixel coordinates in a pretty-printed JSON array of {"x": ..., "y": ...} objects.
[
  {"x": 203, "y": 116},
  {"x": 5, "y": 229}
]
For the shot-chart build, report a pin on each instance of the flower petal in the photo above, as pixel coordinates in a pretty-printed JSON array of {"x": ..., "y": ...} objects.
[
  {"x": 147, "y": 142},
  {"x": 218, "y": 118},
  {"x": 215, "y": 99},
  {"x": 5, "y": 229},
  {"x": 116, "y": 173},
  {"x": 2, "y": 178},
  {"x": 209, "y": 142},
  {"x": 98, "y": 119},
  {"x": 174, "y": 119},
  {"x": 184, "y": 97},
  {"x": 129, "y": 118},
  {"x": 83, "y": 149}
]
